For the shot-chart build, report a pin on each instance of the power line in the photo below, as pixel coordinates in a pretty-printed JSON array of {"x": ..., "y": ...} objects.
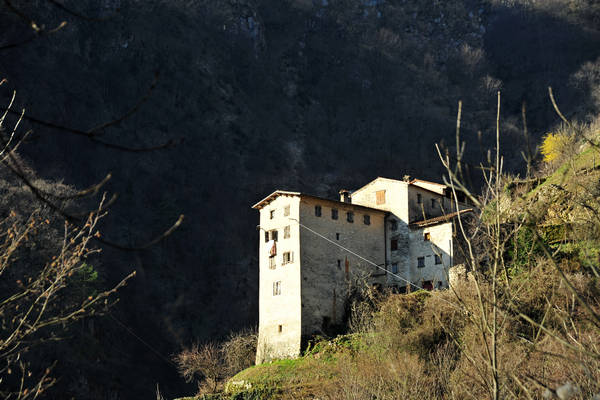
[
  {"x": 369, "y": 261},
  {"x": 132, "y": 333}
]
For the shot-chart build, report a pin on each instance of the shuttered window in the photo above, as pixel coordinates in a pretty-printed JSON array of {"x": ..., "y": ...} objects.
[{"x": 380, "y": 196}]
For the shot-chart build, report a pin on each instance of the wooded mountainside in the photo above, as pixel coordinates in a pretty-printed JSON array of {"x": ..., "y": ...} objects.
[{"x": 258, "y": 95}]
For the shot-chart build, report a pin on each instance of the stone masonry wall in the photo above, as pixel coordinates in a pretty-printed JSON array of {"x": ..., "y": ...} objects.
[
  {"x": 396, "y": 203},
  {"x": 328, "y": 272}
]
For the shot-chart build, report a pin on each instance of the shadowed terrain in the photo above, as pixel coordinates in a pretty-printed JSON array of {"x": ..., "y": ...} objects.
[{"x": 266, "y": 94}]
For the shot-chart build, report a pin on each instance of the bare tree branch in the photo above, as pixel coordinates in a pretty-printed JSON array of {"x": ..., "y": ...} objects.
[
  {"x": 92, "y": 133},
  {"x": 147, "y": 244}
]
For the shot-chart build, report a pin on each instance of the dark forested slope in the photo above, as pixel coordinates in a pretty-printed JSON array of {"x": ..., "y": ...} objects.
[{"x": 292, "y": 94}]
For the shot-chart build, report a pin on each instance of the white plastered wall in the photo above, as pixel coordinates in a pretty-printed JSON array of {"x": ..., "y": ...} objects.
[
  {"x": 285, "y": 309},
  {"x": 440, "y": 243}
]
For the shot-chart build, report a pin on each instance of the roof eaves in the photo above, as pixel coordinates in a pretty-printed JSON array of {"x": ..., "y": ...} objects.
[
  {"x": 425, "y": 189},
  {"x": 428, "y": 182},
  {"x": 272, "y": 197},
  {"x": 343, "y": 203},
  {"x": 440, "y": 219}
]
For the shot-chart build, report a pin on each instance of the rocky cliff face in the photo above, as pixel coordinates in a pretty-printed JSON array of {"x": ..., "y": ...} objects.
[{"x": 309, "y": 95}]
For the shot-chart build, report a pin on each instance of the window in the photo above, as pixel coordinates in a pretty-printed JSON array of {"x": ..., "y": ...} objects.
[
  {"x": 438, "y": 259},
  {"x": 317, "y": 211},
  {"x": 339, "y": 262},
  {"x": 276, "y": 288},
  {"x": 272, "y": 214},
  {"x": 337, "y": 236},
  {"x": 279, "y": 328},
  {"x": 334, "y": 213},
  {"x": 288, "y": 257},
  {"x": 380, "y": 195},
  {"x": 274, "y": 234},
  {"x": 286, "y": 211},
  {"x": 272, "y": 248},
  {"x": 432, "y": 203},
  {"x": 426, "y": 236},
  {"x": 419, "y": 200},
  {"x": 271, "y": 262},
  {"x": 394, "y": 225},
  {"x": 394, "y": 268},
  {"x": 350, "y": 216},
  {"x": 367, "y": 219},
  {"x": 266, "y": 236},
  {"x": 394, "y": 245},
  {"x": 286, "y": 232},
  {"x": 421, "y": 262}
]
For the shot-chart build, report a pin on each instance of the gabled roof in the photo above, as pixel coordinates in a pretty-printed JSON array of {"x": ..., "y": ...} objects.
[
  {"x": 267, "y": 200},
  {"x": 439, "y": 220},
  {"x": 438, "y": 188},
  {"x": 379, "y": 178}
]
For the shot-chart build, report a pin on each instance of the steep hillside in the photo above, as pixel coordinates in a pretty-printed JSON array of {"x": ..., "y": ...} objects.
[{"x": 294, "y": 94}]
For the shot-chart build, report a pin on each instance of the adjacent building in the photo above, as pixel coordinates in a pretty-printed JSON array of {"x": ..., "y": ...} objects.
[{"x": 313, "y": 251}]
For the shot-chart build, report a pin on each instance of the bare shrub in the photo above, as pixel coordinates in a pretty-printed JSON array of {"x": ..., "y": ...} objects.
[
  {"x": 212, "y": 363},
  {"x": 361, "y": 307},
  {"x": 204, "y": 363},
  {"x": 239, "y": 351}
]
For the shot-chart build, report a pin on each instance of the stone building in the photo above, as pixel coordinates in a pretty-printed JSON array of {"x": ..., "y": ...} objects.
[{"x": 312, "y": 251}]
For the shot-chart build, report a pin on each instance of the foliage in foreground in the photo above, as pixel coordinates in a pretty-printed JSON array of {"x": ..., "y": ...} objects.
[{"x": 40, "y": 298}]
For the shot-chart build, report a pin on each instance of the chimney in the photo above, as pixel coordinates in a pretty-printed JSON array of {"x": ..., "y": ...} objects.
[{"x": 345, "y": 196}]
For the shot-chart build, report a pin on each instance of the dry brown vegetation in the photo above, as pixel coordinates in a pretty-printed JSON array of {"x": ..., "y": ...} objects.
[
  {"x": 427, "y": 346},
  {"x": 211, "y": 363}
]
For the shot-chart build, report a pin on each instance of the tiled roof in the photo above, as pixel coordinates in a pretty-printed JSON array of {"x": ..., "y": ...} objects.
[
  {"x": 267, "y": 200},
  {"x": 440, "y": 219}
]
